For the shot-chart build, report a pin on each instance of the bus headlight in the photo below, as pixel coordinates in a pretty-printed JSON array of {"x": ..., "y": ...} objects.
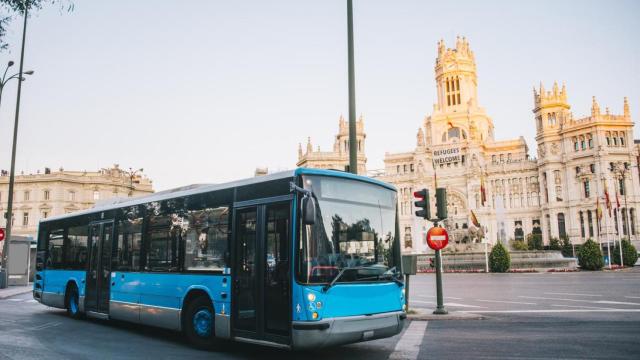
[
  {"x": 314, "y": 315},
  {"x": 311, "y": 297}
]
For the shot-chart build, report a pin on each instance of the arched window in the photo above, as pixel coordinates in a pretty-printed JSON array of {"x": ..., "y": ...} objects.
[
  {"x": 590, "y": 141},
  {"x": 561, "y": 228},
  {"x": 608, "y": 136},
  {"x": 583, "y": 144},
  {"x": 576, "y": 145}
]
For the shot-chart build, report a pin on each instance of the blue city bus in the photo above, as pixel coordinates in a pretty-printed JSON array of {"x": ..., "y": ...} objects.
[{"x": 299, "y": 259}]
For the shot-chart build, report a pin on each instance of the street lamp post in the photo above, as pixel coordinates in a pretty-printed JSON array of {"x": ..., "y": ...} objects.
[
  {"x": 20, "y": 74},
  {"x": 132, "y": 173}
]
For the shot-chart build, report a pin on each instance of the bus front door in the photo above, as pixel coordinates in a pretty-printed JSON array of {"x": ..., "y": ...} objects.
[
  {"x": 99, "y": 273},
  {"x": 261, "y": 293}
]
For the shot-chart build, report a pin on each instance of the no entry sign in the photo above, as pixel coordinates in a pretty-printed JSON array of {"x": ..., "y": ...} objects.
[
  {"x": 1, "y": 234},
  {"x": 437, "y": 238}
]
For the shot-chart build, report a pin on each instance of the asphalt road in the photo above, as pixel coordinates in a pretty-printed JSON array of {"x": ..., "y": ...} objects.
[{"x": 527, "y": 316}]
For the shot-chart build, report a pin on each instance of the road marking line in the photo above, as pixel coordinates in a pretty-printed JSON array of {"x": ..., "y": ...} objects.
[
  {"x": 583, "y": 307},
  {"x": 547, "y": 311},
  {"x": 616, "y": 302},
  {"x": 570, "y": 294},
  {"x": 632, "y": 297},
  {"x": 46, "y": 326},
  {"x": 463, "y": 305},
  {"x": 580, "y": 300},
  {"x": 506, "y": 302},
  {"x": 15, "y": 300},
  {"x": 446, "y": 297},
  {"x": 408, "y": 347},
  {"x": 31, "y": 301}
]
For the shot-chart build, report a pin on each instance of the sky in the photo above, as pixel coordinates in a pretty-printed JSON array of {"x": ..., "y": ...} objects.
[{"x": 206, "y": 91}]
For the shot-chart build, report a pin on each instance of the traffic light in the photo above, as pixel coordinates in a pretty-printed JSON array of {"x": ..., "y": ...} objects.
[
  {"x": 422, "y": 204},
  {"x": 441, "y": 203}
]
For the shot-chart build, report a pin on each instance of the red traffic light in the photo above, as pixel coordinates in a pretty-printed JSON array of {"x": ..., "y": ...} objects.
[
  {"x": 422, "y": 205},
  {"x": 2, "y": 234}
]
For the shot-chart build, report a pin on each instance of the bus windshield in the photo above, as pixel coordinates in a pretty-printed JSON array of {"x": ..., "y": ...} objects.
[{"x": 355, "y": 228}]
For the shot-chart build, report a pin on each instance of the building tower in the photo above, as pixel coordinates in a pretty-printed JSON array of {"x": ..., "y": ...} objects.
[
  {"x": 456, "y": 77},
  {"x": 551, "y": 110}
]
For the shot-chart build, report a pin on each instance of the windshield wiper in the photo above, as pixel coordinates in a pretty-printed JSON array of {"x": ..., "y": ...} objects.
[{"x": 338, "y": 276}]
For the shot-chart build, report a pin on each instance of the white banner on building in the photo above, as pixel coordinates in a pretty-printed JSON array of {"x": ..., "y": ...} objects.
[{"x": 445, "y": 156}]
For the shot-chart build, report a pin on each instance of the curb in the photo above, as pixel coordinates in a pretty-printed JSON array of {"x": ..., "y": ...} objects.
[
  {"x": 453, "y": 315},
  {"x": 9, "y": 292}
]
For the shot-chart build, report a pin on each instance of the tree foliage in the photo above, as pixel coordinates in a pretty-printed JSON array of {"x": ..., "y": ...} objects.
[
  {"x": 499, "y": 259},
  {"x": 567, "y": 247},
  {"x": 629, "y": 253},
  {"x": 554, "y": 244},
  {"x": 9, "y": 9},
  {"x": 534, "y": 241},
  {"x": 590, "y": 256}
]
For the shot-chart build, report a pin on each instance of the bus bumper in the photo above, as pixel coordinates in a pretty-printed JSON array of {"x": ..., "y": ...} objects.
[{"x": 346, "y": 330}]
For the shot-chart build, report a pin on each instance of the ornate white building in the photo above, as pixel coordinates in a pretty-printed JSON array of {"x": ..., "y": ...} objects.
[
  {"x": 555, "y": 194},
  {"x": 51, "y": 193}
]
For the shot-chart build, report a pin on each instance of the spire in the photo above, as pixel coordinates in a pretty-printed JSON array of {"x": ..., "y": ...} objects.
[
  {"x": 541, "y": 89},
  {"x": 299, "y": 151},
  {"x": 309, "y": 146},
  {"x": 595, "y": 108},
  {"x": 626, "y": 108},
  {"x": 555, "y": 88}
]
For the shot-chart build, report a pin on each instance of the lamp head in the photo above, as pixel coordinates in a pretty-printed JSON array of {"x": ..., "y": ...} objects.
[
  {"x": 10, "y": 64},
  {"x": 29, "y": 72}
]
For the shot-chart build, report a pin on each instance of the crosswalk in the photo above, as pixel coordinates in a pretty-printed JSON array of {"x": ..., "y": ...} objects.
[{"x": 18, "y": 300}]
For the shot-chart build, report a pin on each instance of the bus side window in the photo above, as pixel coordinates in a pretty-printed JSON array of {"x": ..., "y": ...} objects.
[
  {"x": 206, "y": 239},
  {"x": 55, "y": 250},
  {"x": 77, "y": 252},
  {"x": 129, "y": 243}
]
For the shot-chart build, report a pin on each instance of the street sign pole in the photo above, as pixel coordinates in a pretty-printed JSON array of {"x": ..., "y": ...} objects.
[{"x": 440, "y": 310}]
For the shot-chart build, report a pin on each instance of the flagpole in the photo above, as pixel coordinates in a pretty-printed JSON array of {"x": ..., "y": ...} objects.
[
  {"x": 619, "y": 223},
  {"x": 607, "y": 235},
  {"x": 606, "y": 220}
]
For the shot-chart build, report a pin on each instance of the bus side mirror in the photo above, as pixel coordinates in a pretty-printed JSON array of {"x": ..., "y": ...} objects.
[{"x": 308, "y": 210}]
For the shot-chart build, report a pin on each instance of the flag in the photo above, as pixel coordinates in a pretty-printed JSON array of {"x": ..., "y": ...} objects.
[
  {"x": 598, "y": 209},
  {"x": 483, "y": 191},
  {"x": 617, "y": 201},
  {"x": 474, "y": 219},
  {"x": 607, "y": 198}
]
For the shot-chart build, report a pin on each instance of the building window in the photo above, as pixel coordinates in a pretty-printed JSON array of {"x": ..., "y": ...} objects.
[
  {"x": 72, "y": 196},
  {"x": 27, "y": 195},
  {"x": 587, "y": 190},
  {"x": 25, "y": 219},
  {"x": 590, "y": 222},
  {"x": 622, "y": 138},
  {"x": 632, "y": 220},
  {"x": 615, "y": 141},
  {"x": 45, "y": 214},
  {"x": 576, "y": 146},
  {"x": 583, "y": 144},
  {"x": 46, "y": 195},
  {"x": 621, "y": 186},
  {"x": 592, "y": 167},
  {"x": 561, "y": 228},
  {"x": 590, "y": 141},
  {"x": 398, "y": 169},
  {"x": 411, "y": 167},
  {"x": 582, "y": 232},
  {"x": 625, "y": 229},
  {"x": 96, "y": 195},
  {"x": 577, "y": 170}
]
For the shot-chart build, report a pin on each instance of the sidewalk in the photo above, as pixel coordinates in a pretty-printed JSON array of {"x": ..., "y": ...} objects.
[{"x": 15, "y": 290}]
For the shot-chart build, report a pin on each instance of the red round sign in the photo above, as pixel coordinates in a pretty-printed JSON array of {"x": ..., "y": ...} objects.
[
  {"x": 437, "y": 238},
  {"x": 1, "y": 234}
]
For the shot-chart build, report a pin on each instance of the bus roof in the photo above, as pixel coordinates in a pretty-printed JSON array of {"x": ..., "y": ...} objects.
[{"x": 204, "y": 188}]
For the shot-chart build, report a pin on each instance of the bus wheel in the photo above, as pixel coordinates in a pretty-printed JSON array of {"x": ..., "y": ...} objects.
[
  {"x": 72, "y": 303},
  {"x": 198, "y": 323}
]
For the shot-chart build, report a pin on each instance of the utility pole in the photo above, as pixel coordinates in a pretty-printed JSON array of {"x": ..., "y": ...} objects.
[
  {"x": 5, "y": 259},
  {"x": 353, "y": 145}
]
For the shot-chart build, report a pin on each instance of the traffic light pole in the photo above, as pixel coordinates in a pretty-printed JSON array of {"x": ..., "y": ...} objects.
[{"x": 440, "y": 310}]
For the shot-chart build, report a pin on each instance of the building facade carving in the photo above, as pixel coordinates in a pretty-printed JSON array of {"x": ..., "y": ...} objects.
[{"x": 51, "y": 193}]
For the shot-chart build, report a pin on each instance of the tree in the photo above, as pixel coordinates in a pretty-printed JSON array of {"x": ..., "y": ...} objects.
[
  {"x": 590, "y": 256},
  {"x": 534, "y": 241},
  {"x": 554, "y": 244},
  {"x": 499, "y": 259},
  {"x": 567, "y": 247},
  {"x": 629, "y": 253},
  {"x": 11, "y": 8}
]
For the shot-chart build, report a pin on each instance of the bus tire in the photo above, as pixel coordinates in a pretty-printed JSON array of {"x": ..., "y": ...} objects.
[
  {"x": 72, "y": 302},
  {"x": 198, "y": 322}
]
